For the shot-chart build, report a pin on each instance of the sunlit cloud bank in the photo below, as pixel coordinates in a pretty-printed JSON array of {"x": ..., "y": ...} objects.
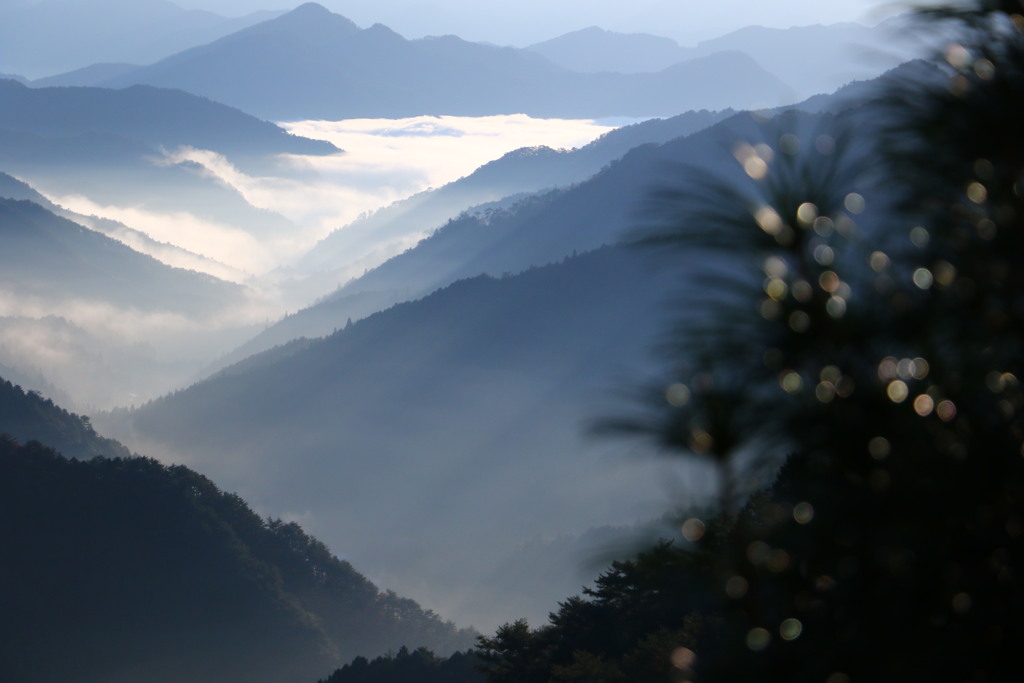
[
  {"x": 428, "y": 151},
  {"x": 228, "y": 244},
  {"x": 385, "y": 160}
]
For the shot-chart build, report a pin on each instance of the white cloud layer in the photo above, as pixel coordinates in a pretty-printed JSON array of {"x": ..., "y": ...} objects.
[{"x": 384, "y": 160}]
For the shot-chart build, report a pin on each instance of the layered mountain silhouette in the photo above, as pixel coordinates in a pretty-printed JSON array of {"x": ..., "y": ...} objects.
[
  {"x": 52, "y": 36},
  {"x": 12, "y": 188},
  {"x": 119, "y": 149},
  {"x": 77, "y": 304},
  {"x": 514, "y": 233},
  {"x": 117, "y": 568},
  {"x": 44, "y": 255},
  {"x": 344, "y": 254},
  {"x": 811, "y": 59},
  {"x": 594, "y": 49},
  {"x": 28, "y": 416},
  {"x": 311, "y": 63},
  {"x": 153, "y": 116},
  {"x": 481, "y": 386},
  {"x": 480, "y": 390}
]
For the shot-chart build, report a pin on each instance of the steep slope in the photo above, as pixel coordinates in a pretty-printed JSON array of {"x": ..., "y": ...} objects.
[
  {"x": 435, "y": 436},
  {"x": 45, "y": 256},
  {"x": 336, "y": 258},
  {"x": 12, "y": 188},
  {"x": 124, "y": 154},
  {"x": 311, "y": 63},
  {"x": 106, "y": 323},
  {"x": 155, "y": 116},
  {"x": 479, "y": 388},
  {"x": 517, "y": 232},
  {"x": 143, "y": 572},
  {"x": 27, "y": 416}
]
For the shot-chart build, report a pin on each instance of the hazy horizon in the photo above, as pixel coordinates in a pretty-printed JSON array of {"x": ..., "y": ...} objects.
[{"x": 531, "y": 21}]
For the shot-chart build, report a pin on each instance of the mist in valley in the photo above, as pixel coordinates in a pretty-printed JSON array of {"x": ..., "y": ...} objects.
[{"x": 389, "y": 289}]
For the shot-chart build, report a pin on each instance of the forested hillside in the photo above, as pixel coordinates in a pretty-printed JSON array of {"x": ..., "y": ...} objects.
[{"x": 119, "y": 568}]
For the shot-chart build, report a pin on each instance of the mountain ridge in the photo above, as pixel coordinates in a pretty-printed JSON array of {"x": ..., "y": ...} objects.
[{"x": 272, "y": 70}]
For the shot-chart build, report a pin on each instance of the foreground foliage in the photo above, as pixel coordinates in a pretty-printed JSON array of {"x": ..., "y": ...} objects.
[
  {"x": 420, "y": 665},
  {"x": 871, "y": 338}
]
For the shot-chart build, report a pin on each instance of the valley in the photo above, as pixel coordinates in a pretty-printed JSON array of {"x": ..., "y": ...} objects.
[{"x": 318, "y": 341}]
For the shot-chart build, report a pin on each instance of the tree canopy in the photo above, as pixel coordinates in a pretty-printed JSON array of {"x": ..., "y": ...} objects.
[{"x": 863, "y": 331}]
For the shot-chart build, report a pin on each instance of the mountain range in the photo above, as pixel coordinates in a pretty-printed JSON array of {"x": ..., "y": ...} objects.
[
  {"x": 841, "y": 52},
  {"x": 117, "y": 568},
  {"x": 52, "y": 36},
  {"x": 155, "y": 116},
  {"x": 311, "y": 63},
  {"x": 73, "y": 310},
  {"x": 436, "y": 431},
  {"x": 480, "y": 390},
  {"x": 483, "y": 385}
]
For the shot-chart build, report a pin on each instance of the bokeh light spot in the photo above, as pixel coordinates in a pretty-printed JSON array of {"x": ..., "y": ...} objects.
[
  {"x": 836, "y": 306},
  {"x": 768, "y": 220},
  {"x": 758, "y": 639},
  {"x": 693, "y": 529},
  {"x": 879, "y": 261},
  {"x": 923, "y": 278},
  {"x": 683, "y": 658},
  {"x": 736, "y": 587},
  {"x": 897, "y": 391},
  {"x": 962, "y": 603},
  {"x": 790, "y": 629},
  {"x": 806, "y": 214},
  {"x": 823, "y": 225},
  {"x": 957, "y": 56},
  {"x": 802, "y": 291},
  {"x": 985, "y": 69},
  {"x": 776, "y": 289},
  {"x": 977, "y": 193},
  {"x": 919, "y": 237},
  {"x": 789, "y": 144},
  {"x": 803, "y": 513},
  {"x": 924, "y": 405},
  {"x": 854, "y": 203},
  {"x": 791, "y": 382},
  {"x": 799, "y": 321},
  {"x": 677, "y": 395},
  {"x": 879, "y": 448}
]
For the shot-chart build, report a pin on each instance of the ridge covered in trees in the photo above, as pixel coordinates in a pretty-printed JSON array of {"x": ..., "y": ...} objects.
[
  {"x": 123, "y": 569},
  {"x": 872, "y": 344}
]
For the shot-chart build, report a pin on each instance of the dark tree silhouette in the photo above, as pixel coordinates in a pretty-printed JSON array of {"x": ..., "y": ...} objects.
[{"x": 865, "y": 332}]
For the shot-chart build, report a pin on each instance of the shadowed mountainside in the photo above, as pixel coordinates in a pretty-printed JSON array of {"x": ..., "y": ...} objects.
[
  {"x": 311, "y": 63},
  {"x": 155, "y": 116},
  {"x": 122, "y": 569}
]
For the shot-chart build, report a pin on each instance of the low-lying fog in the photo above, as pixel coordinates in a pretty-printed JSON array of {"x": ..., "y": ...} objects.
[
  {"x": 384, "y": 160},
  {"x": 242, "y": 226}
]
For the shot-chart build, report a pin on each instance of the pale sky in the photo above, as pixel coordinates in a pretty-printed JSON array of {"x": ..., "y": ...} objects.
[{"x": 522, "y": 22}]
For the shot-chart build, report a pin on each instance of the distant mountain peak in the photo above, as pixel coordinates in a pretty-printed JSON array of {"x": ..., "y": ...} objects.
[
  {"x": 311, "y": 9},
  {"x": 310, "y": 16}
]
